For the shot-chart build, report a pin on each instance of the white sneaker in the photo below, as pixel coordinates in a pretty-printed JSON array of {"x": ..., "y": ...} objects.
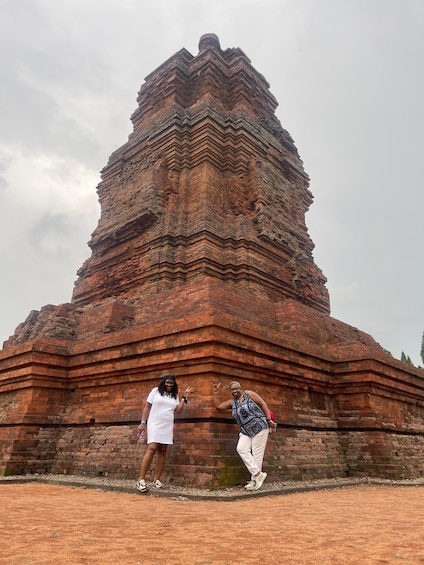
[
  {"x": 250, "y": 485},
  {"x": 157, "y": 484},
  {"x": 259, "y": 481},
  {"x": 141, "y": 485}
]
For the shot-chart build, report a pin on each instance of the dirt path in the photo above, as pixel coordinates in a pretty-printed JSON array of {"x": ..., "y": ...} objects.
[{"x": 59, "y": 525}]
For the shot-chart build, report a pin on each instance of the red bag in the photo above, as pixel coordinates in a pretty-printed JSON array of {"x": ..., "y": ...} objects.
[{"x": 274, "y": 429}]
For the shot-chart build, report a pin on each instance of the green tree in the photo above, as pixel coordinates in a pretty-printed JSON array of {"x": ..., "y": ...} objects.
[
  {"x": 422, "y": 348},
  {"x": 405, "y": 358}
]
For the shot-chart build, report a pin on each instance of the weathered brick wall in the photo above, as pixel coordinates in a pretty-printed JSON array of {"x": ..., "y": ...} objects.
[
  {"x": 97, "y": 450},
  {"x": 204, "y": 454},
  {"x": 336, "y": 418}
]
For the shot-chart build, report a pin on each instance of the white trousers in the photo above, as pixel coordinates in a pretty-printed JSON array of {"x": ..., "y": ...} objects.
[{"x": 252, "y": 450}]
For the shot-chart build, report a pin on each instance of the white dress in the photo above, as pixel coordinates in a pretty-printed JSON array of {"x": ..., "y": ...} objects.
[{"x": 160, "y": 425}]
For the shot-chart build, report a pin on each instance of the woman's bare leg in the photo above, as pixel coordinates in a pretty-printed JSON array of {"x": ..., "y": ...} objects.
[
  {"x": 160, "y": 461},
  {"x": 152, "y": 448}
]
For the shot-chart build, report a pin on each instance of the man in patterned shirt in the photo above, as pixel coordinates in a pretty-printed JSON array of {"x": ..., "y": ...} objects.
[{"x": 252, "y": 414}]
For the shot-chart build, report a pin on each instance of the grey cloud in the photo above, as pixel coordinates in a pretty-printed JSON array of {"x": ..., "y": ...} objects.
[{"x": 347, "y": 75}]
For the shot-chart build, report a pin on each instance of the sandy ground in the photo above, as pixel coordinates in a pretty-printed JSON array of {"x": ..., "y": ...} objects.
[{"x": 47, "y": 524}]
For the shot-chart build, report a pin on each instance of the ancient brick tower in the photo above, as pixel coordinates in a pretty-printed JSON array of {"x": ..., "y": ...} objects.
[
  {"x": 206, "y": 201},
  {"x": 202, "y": 264}
]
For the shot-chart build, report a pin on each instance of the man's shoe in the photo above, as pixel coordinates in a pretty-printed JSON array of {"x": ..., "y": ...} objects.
[
  {"x": 141, "y": 485},
  {"x": 259, "y": 481},
  {"x": 157, "y": 484},
  {"x": 250, "y": 485}
]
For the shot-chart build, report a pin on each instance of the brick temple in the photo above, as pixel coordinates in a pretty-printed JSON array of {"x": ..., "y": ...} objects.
[{"x": 202, "y": 265}]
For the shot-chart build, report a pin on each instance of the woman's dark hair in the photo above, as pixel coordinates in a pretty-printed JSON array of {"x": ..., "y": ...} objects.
[{"x": 161, "y": 387}]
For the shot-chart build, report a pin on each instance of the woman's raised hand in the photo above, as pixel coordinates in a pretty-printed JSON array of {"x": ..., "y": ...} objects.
[
  {"x": 188, "y": 390},
  {"x": 216, "y": 386}
]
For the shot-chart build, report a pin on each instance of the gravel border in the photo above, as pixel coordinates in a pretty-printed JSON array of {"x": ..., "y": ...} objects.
[{"x": 192, "y": 493}]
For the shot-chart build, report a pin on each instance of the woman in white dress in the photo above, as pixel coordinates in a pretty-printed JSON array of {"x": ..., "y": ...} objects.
[{"x": 157, "y": 426}]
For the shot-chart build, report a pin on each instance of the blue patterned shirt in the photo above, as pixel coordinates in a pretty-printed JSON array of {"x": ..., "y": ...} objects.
[{"x": 249, "y": 416}]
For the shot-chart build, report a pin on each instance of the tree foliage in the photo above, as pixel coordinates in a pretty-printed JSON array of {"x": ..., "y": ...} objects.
[
  {"x": 422, "y": 348},
  {"x": 405, "y": 358}
]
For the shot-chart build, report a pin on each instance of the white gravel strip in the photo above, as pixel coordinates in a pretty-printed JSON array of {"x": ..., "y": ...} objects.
[{"x": 194, "y": 493}]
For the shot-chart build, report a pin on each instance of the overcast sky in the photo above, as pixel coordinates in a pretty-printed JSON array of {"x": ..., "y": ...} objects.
[{"x": 349, "y": 79}]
